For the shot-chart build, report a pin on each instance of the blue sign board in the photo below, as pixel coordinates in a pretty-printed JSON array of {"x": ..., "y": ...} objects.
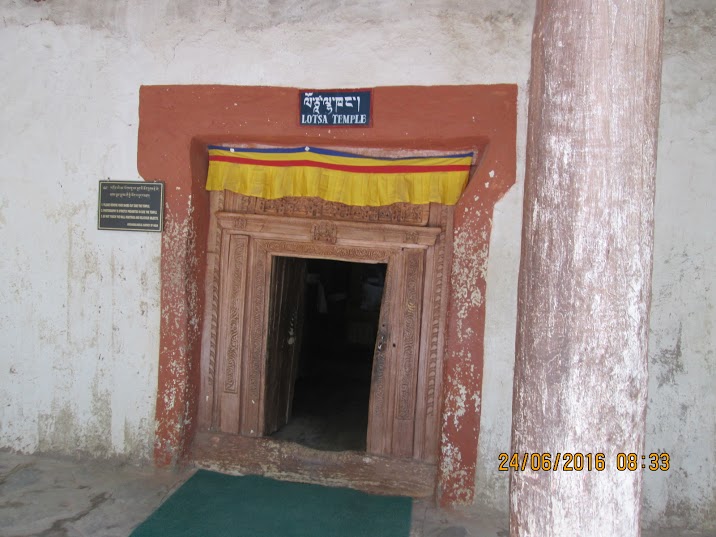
[{"x": 335, "y": 108}]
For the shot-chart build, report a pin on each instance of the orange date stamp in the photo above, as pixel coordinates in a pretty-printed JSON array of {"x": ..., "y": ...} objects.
[{"x": 580, "y": 462}]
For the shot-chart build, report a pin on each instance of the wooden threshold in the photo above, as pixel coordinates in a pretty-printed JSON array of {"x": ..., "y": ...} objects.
[{"x": 235, "y": 454}]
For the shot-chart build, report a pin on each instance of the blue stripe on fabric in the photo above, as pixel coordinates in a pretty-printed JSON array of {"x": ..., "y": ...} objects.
[
  {"x": 330, "y": 152},
  {"x": 260, "y": 149}
]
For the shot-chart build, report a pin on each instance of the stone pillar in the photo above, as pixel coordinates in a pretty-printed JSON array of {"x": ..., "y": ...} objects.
[{"x": 585, "y": 273}]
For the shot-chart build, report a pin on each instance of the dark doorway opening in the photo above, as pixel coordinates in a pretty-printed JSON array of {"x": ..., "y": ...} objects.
[{"x": 336, "y": 330}]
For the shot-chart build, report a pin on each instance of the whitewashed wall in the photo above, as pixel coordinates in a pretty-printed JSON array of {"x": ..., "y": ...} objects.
[
  {"x": 79, "y": 317},
  {"x": 681, "y": 416}
]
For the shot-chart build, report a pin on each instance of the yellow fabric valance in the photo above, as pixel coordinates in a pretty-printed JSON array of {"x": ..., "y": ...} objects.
[{"x": 339, "y": 177}]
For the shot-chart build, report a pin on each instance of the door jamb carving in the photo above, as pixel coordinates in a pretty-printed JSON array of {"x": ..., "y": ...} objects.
[{"x": 269, "y": 235}]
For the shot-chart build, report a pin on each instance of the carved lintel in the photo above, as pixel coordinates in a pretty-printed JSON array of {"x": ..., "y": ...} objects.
[
  {"x": 327, "y": 232},
  {"x": 324, "y": 232},
  {"x": 326, "y": 251},
  {"x": 411, "y": 237},
  {"x": 232, "y": 221},
  {"x": 398, "y": 213}
]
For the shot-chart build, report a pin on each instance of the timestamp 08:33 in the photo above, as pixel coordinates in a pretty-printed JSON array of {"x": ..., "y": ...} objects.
[{"x": 578, "y": 462}]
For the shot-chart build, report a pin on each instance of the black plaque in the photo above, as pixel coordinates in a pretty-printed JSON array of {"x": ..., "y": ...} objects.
[
  {"x": 335, "y": 108},
  {"x": 131, "y": 206}
]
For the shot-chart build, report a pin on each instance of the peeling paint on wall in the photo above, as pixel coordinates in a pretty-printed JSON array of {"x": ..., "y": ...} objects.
[
  {"x": 469, "y": 269},
  {"x": 461, "y": 399},
  {"x": 180, "y": 305}
]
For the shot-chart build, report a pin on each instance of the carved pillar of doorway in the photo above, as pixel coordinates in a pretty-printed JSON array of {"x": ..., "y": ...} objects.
[{"x": 414, "y": 240}]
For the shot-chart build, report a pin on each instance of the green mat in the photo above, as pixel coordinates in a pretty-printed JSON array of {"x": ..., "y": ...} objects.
[{"x": 217, "y": 505}]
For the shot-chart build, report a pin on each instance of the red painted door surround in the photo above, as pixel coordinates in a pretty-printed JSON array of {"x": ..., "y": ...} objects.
[{"x": 176, "y": 123}]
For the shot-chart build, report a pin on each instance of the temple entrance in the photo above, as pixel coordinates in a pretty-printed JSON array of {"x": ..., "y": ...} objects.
[
  {"x": 326, "y": 353},
  {"x": 209, "y": 378},
  {"x": 333, "y": 326},
  {"x": 276, "y": 272}
]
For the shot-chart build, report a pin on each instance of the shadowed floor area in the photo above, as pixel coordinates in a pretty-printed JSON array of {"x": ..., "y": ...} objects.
[{"x": 328, "y": 415}]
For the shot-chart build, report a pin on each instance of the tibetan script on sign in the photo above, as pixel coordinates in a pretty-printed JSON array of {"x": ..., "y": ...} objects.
[
  {"x": 335, "y": 108},
  {"x": 131, "y": 205}
]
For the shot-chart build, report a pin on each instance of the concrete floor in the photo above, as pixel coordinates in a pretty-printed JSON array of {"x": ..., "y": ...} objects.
[{"x": 46, "y": 497}]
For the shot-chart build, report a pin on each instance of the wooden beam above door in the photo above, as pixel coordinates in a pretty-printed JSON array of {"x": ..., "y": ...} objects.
[{"x": 329, "y": 231}]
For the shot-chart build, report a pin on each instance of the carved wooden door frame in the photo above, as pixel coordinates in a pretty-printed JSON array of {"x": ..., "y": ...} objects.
[{"x": 407, "y": 369}]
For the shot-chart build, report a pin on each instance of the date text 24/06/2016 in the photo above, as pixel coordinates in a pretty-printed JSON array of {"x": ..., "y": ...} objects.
[{"x": 578, "y": 462}]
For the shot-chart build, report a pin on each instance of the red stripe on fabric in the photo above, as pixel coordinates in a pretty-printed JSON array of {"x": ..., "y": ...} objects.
[{"x": 343, "y": 168}]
